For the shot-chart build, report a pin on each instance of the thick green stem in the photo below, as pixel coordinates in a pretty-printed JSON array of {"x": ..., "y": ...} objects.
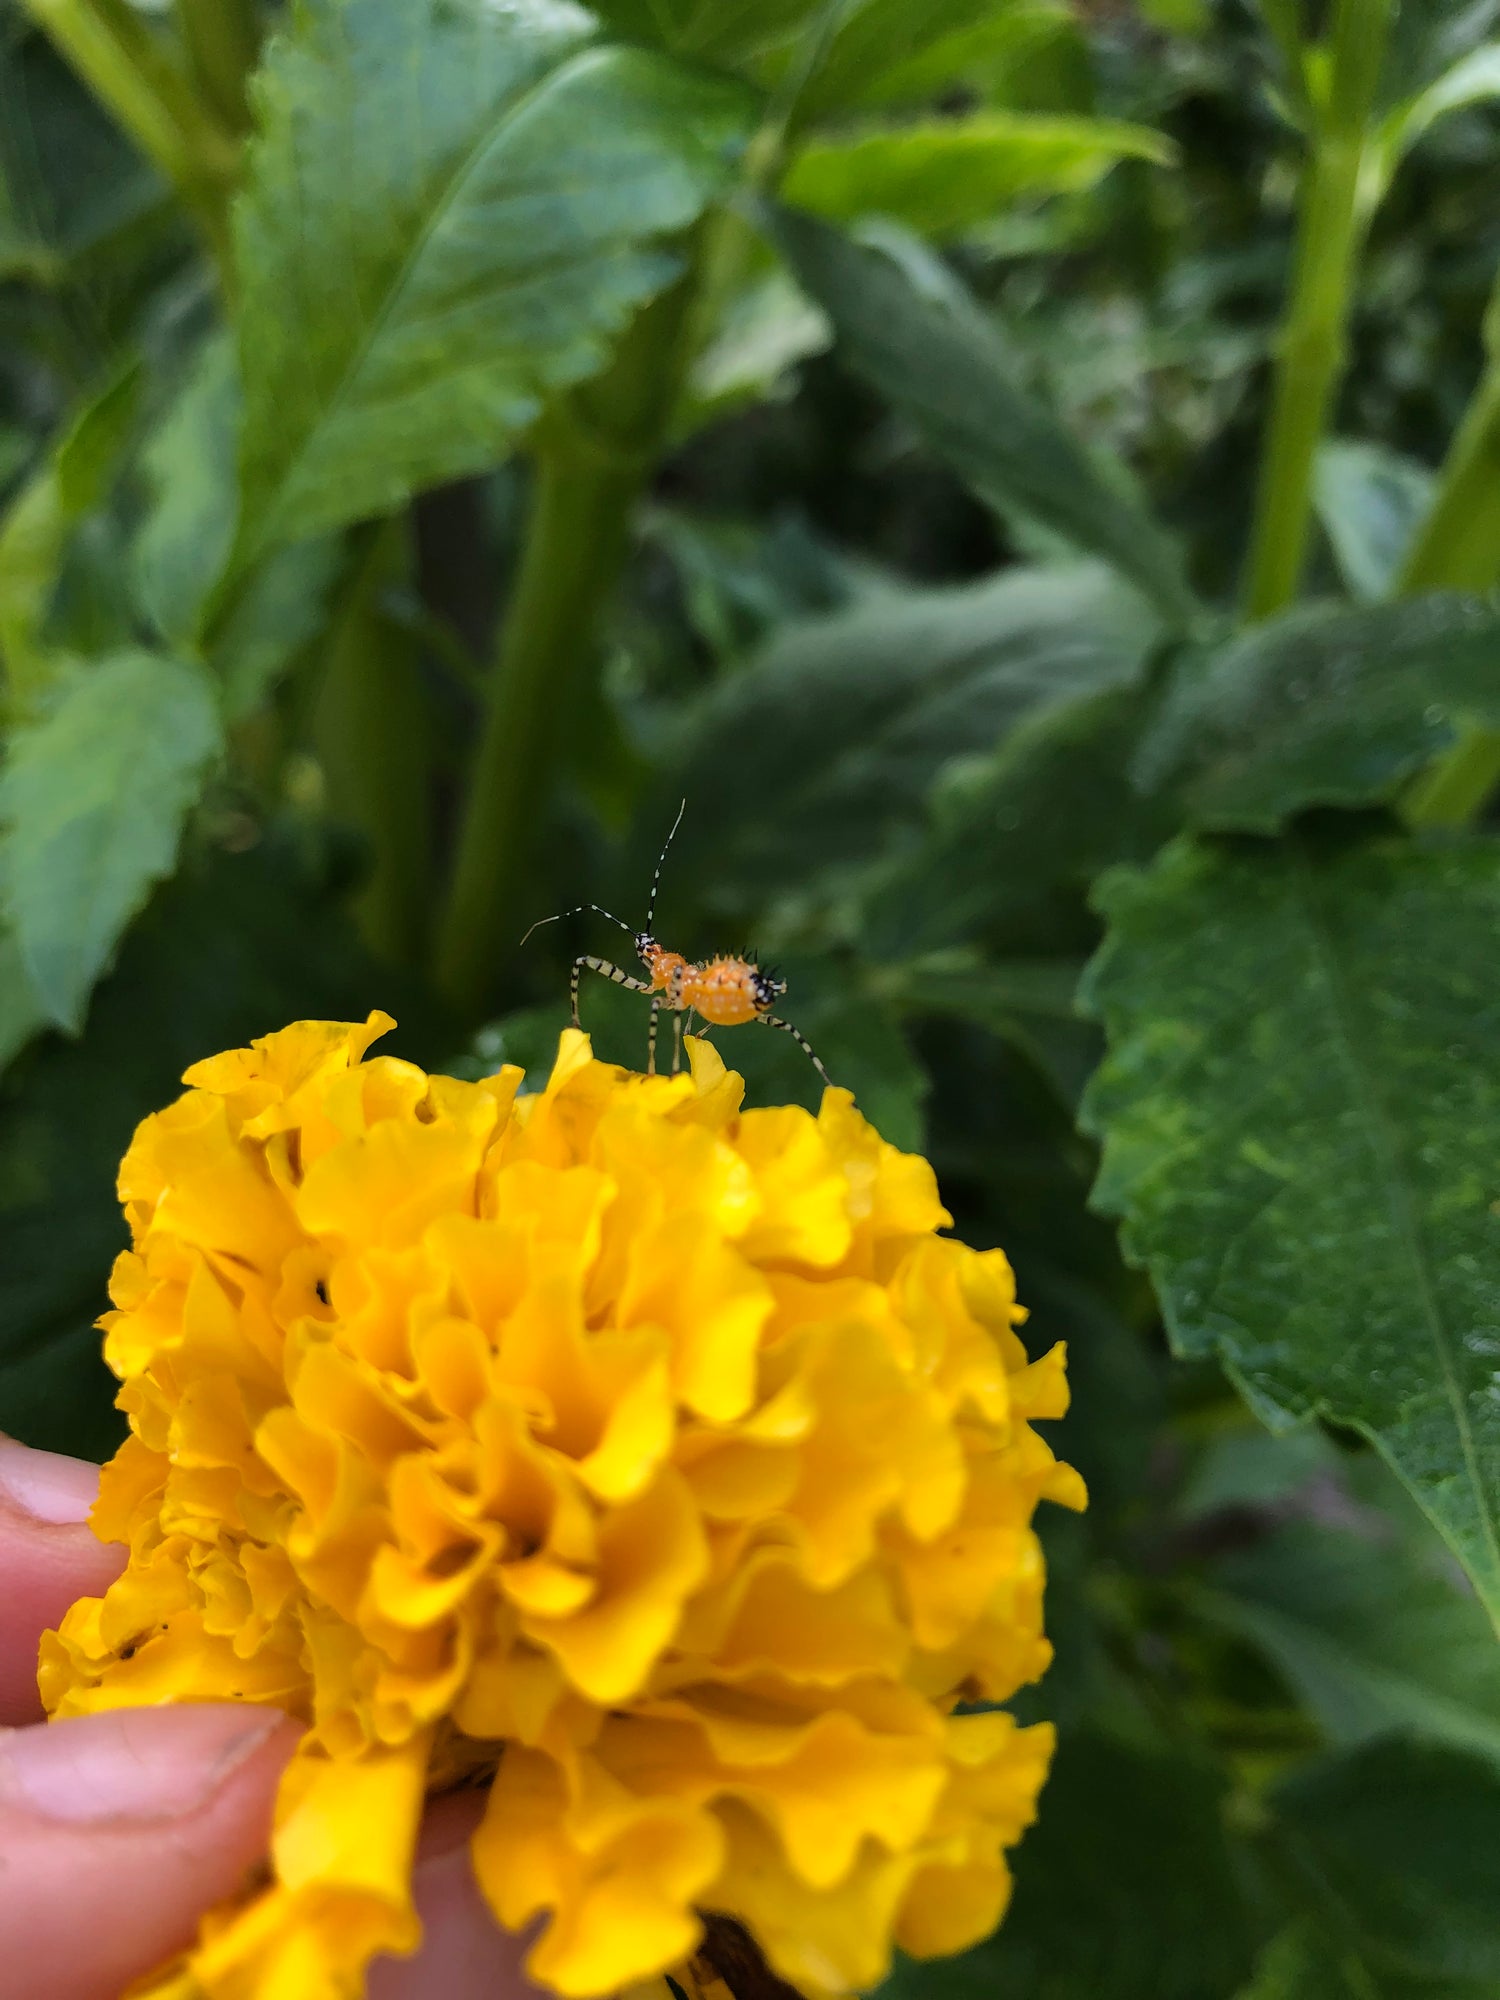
[
  {"x": 124, "y": 64},
  {"x": 372, "y": 735},
  {"x": 592, "y": 459},
  {"x": 223, "y": 39},
  {"x": 1311, "y": 349}
]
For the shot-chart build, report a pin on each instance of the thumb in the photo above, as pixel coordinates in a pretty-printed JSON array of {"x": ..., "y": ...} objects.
[{"x": 141, "y": 1818}]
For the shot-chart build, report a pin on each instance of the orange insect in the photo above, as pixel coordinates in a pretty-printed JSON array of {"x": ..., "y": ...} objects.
[{"x": 725, "y": 991}]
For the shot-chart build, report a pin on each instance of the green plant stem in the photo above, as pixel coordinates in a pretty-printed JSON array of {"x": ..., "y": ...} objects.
[
  {"x": 371, "y": 731},
  {"x": 1311, "y": 348},
  {"x": 1458, "y": 548},
  {"x": 223, "y": 39},
  {"x": 593, "y": 456},
  {"x": 124, "y": 64}
]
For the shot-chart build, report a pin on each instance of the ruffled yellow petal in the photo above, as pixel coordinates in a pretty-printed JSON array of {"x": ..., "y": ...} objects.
[{"x": 654, "y": 1462}]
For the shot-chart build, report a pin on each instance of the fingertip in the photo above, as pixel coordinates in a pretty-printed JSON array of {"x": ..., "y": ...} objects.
[
  {"x": 146, "y": 1817},
  {"x": 49, "y": 1558}
]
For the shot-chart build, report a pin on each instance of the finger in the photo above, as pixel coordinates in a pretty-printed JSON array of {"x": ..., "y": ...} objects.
[
  {"x": 464, "y": 1954},
  {"x": 48, "y": 1557},
  {"x": 143, "y": 1818}
]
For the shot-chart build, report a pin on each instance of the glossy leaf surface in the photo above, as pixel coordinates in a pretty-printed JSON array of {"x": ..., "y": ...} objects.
[
  {"x": 1297, "y": 1113},
  {"x": 92, "y": 800},
  {"x": 466, "y": 204}
]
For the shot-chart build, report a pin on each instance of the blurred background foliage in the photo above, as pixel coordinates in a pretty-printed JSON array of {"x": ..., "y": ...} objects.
[{"x": 959, "y": 446}]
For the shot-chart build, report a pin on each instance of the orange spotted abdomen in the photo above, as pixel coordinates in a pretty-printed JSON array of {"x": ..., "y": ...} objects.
[{"x": 722, "y": 991}]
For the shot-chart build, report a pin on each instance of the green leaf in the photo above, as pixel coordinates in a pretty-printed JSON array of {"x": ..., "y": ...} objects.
[
  {"x": 727, "y": 32},
  {"x": 1015, "y": 840},
  {"x": 183, "y": 546},
  {"x": 1324, "y": 707},
  {"x": 466, "y": 205},
  {"x": 924, "y": 344},
  {"x": 34, "y": 533},
  {"x": 1473, "y": 79},
  {"x": 765, "y": 330},
  {"x": 825, "y": 742},
  {"x": 1370, "y": 501},
  {"x": 92, "y": 798},
  {"x": 1371, "y": 1633},
  {"x": 22, "y": 1014},
  {"x": 983, "y": 56},
  {"x": 944, "y": 176},
  {"x": 1299, "y": 1112},
  {"x": 876, "y": 38},
  {"x": 70, "y": 179},
  {"x": 183, "y": 543},
  {"x": 280, "y": 609},
  {"x": 1125, "y": 1890},
  {"x": 1400, "y": 1843}
]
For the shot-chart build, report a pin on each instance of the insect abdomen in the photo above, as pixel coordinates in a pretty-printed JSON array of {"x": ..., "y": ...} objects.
[{"x": 723, "y": 992}]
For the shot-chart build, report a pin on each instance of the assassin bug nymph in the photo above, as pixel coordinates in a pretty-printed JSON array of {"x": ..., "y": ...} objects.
[{"x": 725, "y": 991}]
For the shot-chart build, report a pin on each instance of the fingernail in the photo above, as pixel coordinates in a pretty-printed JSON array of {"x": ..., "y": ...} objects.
[
  {"x": 45, "y": 1485},
  {"x": 131, "y": 1764}
]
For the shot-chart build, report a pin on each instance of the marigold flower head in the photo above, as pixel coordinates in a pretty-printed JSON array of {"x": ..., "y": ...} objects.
[{"x": 654, "y": 1462}]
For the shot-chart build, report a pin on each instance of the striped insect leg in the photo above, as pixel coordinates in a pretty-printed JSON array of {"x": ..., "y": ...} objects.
[
  {"x": 772, "y": 1021},
  {"x": 588, "y": 963}
]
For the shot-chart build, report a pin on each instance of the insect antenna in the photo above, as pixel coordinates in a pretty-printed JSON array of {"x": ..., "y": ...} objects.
[
  {"x": 656, "y": 878},
  {"x": 577, "y": 911}
]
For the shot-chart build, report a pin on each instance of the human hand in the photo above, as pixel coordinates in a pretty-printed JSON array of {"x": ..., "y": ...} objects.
[{"x": 117, "y": 1831}]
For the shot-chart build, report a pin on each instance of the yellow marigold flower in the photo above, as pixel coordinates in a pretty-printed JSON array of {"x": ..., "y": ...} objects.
[{"x": 654, "y": 1461}]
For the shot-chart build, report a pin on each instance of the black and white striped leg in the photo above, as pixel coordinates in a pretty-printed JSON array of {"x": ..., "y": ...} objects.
[
  {"x": 601, "y": 965},
  {"x": 676, "y": 1044},
  {"x": 771, "y": 1021},
  {"x": 651, "y": 1039}
]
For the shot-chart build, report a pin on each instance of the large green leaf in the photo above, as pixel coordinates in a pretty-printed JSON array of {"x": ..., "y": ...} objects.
[
  {"x": 1324, "y": 707},
  {"x": 72, "y": 479},
  {"x": 826, "y": 741},
  {"x": 926, "y": 346},
  {"x": 452, "y": 209},
  {"x": 1400, "y": 1845},
  {"x": 1125, "y": 1890},
  {"x": 1301, "y": 1122},
  {"x": 946, "y": 175},
  {"x": 92, "y": 800}
]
